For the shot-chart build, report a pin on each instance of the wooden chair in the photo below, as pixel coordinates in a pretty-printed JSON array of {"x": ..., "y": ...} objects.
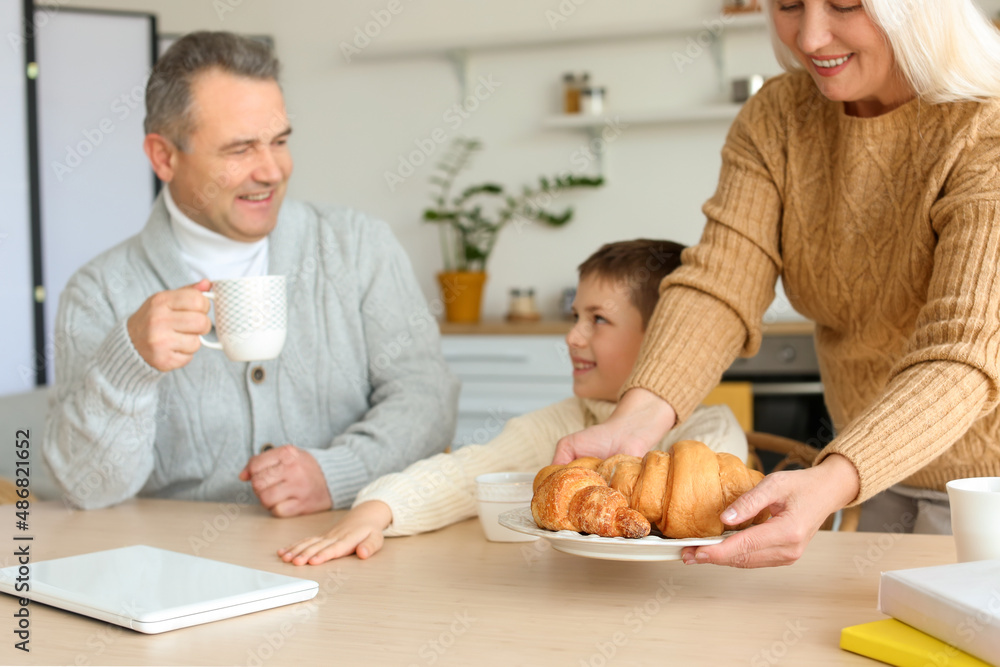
[{"x": 794, "y": 454}]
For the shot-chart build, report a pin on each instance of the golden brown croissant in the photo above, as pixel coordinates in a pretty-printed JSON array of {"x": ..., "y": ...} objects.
[
  {"x": 586, "y": 462},
  {"x": 682, "y": 492},
  {"x": 577, "y": 498}
]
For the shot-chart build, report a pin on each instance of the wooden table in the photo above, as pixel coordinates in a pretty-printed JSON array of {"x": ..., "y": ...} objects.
[{"x": 452, "y": 598}]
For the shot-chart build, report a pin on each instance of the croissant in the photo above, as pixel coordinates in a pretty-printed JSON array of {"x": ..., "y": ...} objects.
[
  {"x": 682, "y": 492},
  {"x": 585, "y": 462},
  {"x": 578, "y": 499}
]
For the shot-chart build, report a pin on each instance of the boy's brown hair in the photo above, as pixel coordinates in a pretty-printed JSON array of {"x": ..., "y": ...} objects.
[{"x": 639, "y": 265}]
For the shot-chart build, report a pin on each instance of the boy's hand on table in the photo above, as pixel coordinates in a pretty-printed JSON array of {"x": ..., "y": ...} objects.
[
  {"x": 799, "y": 500},
  {"x": 639, "y": 422},
  {"x": 288, "y": 481},
  {"x": 360, "y": 531}
]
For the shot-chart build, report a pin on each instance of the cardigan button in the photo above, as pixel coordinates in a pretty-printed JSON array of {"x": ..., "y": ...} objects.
[
  {"x": 266, "y": 447},
  {"x": 257, "y": 375}
]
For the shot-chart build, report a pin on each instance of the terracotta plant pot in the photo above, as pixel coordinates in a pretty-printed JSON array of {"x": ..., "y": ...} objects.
[{"x": 462, "y": 293}]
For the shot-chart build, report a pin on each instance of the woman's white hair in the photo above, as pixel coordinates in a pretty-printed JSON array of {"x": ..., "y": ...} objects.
[{"x": 946, "y": 49}]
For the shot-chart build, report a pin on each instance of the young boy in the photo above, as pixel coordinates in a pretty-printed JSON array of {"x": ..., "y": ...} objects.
[{"x": 617, "y": 292}]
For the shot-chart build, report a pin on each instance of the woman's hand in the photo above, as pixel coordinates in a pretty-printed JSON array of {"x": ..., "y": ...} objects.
[
  {"x": 799, "y": 500},
  {"x": 360, "y": 531},
  {"x": 639, "y": 422}
]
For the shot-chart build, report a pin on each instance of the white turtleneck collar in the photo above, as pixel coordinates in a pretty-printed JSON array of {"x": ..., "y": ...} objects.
[{"x": 212, "y": 255}]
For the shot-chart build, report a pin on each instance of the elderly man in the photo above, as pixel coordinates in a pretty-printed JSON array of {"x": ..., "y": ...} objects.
[{"x": 360, "y": 388}]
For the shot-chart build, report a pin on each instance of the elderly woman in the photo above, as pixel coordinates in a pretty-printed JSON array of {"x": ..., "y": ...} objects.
[{"x": 867, "y": 178}]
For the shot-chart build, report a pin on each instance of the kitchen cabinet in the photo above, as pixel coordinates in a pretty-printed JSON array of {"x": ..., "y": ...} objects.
[
  {"x": 511, "y": 369},
  {"x": 503, "y": 376}
]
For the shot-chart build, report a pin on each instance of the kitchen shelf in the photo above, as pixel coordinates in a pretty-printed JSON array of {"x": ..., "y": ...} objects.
[
  {"x": 594, "y": 125},
  {"x": 707, "y": 112},
  {"x": 708, "y": 31},
  {"x": 506, "y": 42}
]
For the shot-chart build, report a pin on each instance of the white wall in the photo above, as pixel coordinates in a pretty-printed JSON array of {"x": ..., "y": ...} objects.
[
  {"x": 95, "y": 181},
  {"x": 16, "y": 283},
  {"x": 354, "y": 121}
]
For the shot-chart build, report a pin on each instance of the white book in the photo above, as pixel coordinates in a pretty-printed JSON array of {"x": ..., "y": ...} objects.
[
  {"x": 152, "y": 590},
  {"x": 959, "y": 604}
]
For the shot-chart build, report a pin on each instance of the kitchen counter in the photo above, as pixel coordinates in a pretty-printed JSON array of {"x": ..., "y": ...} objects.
[{"x": 452, "y": 598}]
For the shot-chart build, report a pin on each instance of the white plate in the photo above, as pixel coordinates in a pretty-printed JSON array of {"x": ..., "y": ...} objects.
[{"x": 651, "y": 547}]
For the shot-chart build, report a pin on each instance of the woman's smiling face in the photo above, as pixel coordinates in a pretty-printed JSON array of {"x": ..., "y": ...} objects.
[{"x": 847, "y": 55}]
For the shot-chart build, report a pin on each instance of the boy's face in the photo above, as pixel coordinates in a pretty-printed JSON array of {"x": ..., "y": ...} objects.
[{"x": 604, "y": 343}]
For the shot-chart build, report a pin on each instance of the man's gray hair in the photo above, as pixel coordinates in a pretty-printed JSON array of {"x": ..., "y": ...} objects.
[{"x": 169, "y": 107}]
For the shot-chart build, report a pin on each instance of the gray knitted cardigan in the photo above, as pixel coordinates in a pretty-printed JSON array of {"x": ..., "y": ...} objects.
[{"x": 361, "y": 383}]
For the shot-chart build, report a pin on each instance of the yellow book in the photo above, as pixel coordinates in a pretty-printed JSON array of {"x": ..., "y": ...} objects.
[{"x": 896, "y": 643}]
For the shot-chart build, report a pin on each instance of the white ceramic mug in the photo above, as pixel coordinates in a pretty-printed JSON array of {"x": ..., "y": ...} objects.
[
  {"x": 251, "y": 317},
  {"x": 498, "y": 492},
  {"x": 975, "y": 517}
]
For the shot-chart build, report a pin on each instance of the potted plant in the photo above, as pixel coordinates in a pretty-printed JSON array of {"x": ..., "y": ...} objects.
[{"x": 469, "y": 222}]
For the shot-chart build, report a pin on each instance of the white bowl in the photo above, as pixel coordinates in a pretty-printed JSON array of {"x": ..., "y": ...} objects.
[{"x": 499, "y": 492}]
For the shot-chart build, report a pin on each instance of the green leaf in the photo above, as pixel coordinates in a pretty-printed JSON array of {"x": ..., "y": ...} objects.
[
  {"x": 555, "y": 220},
  {"x": 485, "y": 188},
  {"x": 433, "y": 215},
  {"x": 473, "y": 253}
]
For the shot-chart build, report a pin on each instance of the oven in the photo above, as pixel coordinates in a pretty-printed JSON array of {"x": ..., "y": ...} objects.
[{"x": 787, "y": 392}]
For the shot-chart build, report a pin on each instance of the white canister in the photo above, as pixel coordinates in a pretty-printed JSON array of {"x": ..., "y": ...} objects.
[
  {"x": 592, "y": 101},
  {"x": 499, "y": 492}
]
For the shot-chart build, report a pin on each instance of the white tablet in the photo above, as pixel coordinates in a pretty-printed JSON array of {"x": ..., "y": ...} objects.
[{"x": 153, "y": 590}]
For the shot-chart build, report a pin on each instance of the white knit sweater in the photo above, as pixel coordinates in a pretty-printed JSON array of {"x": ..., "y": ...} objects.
[{"x": 441, "y": 490}]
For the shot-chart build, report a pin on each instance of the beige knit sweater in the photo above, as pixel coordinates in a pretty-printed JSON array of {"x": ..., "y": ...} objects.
[
  {"x": 885, "y": 232},
  {"x": 441, "y": 490}
]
